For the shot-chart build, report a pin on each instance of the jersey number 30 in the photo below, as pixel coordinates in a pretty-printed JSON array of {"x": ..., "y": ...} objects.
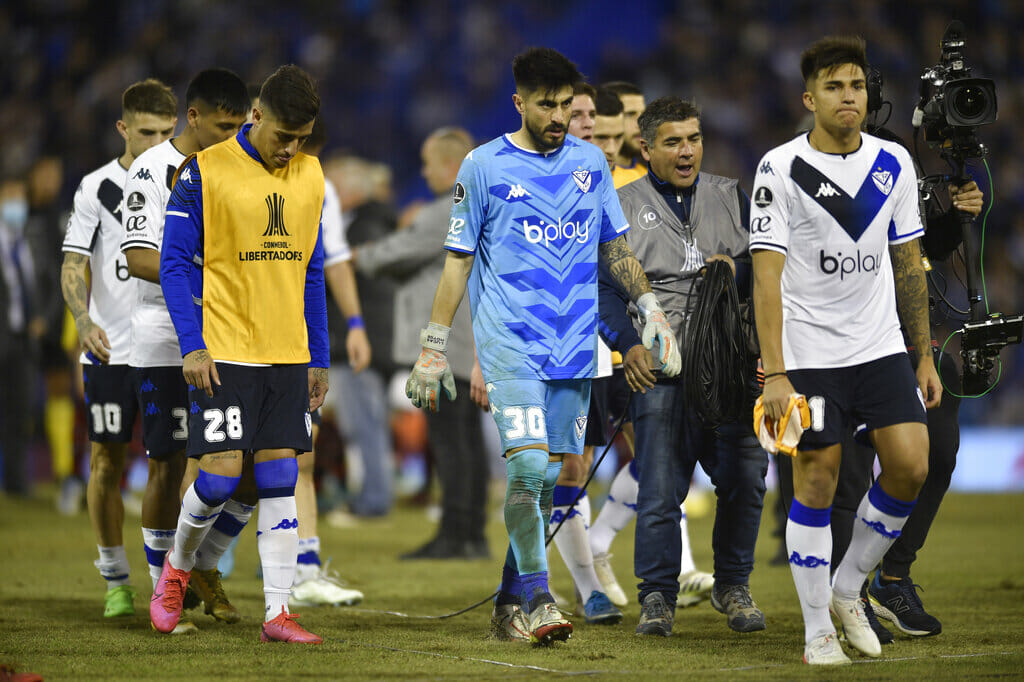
[{"x": 530, "y": 420}]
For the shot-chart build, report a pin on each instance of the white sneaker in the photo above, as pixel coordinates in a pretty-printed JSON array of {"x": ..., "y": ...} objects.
[
  {"x": 611, "y": 586},
  {"x": 825, "y": 650},
  {"x": 547, "y": 625},
  {"x": 508, "y": 623},
  {"x": 325, "y": 589},
  {"x": 694, "y": 587},
  {"x": 855, "y": 625}
]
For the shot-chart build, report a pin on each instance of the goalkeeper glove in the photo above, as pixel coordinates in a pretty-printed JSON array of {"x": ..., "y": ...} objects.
[
  {"x": 656, "y": 326},
  {"x": 783, "y": 436},
  {"x": 431, "y": 371}
]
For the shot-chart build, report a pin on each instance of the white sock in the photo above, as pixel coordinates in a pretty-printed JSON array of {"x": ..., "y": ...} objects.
[
  {"x": 226, "y": 528},
  {"x": 113, "y": 565},
  {"x": 874, "y": 531},
  {"x": 194, "y": 522},
  {"x": 574, "y": 546},
  {"x": 686, "y": 564},
  {"x": 617, "y": 511},
  {"x": 308, "y": 566},
  {"x": 583, "y": 507},
  {"x": 157, "y": 543},
  {"x": 810, "y": 550},
  {"x": 278, "y": 543}
]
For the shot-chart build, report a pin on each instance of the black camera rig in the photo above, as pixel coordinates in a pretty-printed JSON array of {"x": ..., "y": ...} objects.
[{"x": 953, "y": 105}]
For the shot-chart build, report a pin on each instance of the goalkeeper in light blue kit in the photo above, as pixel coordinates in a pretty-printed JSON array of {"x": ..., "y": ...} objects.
[{"x": 534, "y": 212}]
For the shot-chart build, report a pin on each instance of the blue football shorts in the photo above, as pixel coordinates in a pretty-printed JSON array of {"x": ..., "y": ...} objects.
[{"x": 535, "y": 411}]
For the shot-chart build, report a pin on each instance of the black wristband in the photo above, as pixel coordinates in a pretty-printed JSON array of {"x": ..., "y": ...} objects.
[{"x": 774, "y": 374}]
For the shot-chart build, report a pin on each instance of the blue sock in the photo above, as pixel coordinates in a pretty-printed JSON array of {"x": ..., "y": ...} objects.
[
  {"x": 535, "y": 590},
  {"x": 511, "y": 588},
  {"x": 277, "y": 477}
]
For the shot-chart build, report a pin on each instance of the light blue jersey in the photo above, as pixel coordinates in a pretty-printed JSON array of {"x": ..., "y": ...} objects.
[{"x": 534, "y": 221}]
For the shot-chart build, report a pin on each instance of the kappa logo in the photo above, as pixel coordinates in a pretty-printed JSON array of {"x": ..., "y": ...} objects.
[
  {"x": 826, "y": 189},
  {"x": 493, "y": 407},
  {"x": 883, "y": 181},
  {"x": 809, "y": 561},
  {"x": 582, "y": 179},
  {"x": 186, "y": 175},
  {"x": 880, "y": 528},
  {"x": 581, "y": 425},
  {"x": 143, "y": 174},
  {"x": 275, "y": 218},
  {"x": 766, "y": 169},
  {"x": 517, "y": 192},
  {"x": 309, "y": 424}
]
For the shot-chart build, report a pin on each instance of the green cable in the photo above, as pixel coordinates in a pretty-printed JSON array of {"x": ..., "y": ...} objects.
[
  {"x": 953, "y": 393},
  {"x": 984, "y": 222}
]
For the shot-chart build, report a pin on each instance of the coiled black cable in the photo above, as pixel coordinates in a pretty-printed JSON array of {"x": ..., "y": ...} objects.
[{"x": 715, "y": 369}]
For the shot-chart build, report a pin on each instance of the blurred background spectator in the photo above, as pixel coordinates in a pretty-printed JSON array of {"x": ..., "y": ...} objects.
[{"x": 392, "y": 71}]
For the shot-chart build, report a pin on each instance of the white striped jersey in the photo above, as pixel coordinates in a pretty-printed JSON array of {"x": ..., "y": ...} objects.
[
  {"x": 153, "y": 340},
  {"x": 94, "y": 230},
  {"x": 834, "y": 217}
]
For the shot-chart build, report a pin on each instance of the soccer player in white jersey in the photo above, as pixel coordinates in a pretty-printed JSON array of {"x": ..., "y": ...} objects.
[
  {"x": 216, "y": 105},
  {"x": 101, "y": 310},
  {"x": 533, "y": 213},
  {"x": 834, "y": 236}
]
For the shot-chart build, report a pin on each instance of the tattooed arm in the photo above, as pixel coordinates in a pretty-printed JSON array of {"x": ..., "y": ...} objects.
[
  {"x": 627, "y": 274},
  {"x": 625, "y": 269},
  {"x": 912, "y": 302},
  {"x": 76, "y": 294}
]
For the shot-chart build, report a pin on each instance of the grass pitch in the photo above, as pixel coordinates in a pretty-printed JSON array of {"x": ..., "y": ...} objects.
[{"x": 51, "y": 611}]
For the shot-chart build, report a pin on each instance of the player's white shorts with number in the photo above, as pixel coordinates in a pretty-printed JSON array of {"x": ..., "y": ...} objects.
[{"x": 531, "y": 411}]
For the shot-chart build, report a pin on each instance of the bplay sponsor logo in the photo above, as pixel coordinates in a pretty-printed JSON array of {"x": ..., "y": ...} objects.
[
  {"x": 849, "y": 264},
  {"x": 556, "y": 232}
]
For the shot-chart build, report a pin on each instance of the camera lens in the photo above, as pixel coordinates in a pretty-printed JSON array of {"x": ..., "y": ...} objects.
[{"x": 970, "y": 102}]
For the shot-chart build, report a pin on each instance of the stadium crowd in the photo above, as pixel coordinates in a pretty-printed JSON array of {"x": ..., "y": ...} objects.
[{"x": 392, "y": 80}]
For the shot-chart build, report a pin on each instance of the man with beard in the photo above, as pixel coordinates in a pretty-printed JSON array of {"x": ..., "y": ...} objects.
[{"x": 538, "y": 208}]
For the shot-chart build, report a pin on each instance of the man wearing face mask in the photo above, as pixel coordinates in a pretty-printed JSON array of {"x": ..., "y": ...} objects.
[{"x": 16, "y": 334}]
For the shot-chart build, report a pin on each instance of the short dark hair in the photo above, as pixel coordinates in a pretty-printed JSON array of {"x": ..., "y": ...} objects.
[
  {"x": 221, "y": 89},
  {"x": 150, "y": 96},
  {"x": 831, "y": 52},
  {"x": 665, "y": 110},
  {"x": 545, "y": 69},
  {"x": 584, "y": 88},
  {"x": 608, "y": 103},
  {"x": 290, "y": 94},
  {"x": 253, "y": 90},
  {"x": 317, "y": 138},
  {"x": 621, "y": 88}
]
